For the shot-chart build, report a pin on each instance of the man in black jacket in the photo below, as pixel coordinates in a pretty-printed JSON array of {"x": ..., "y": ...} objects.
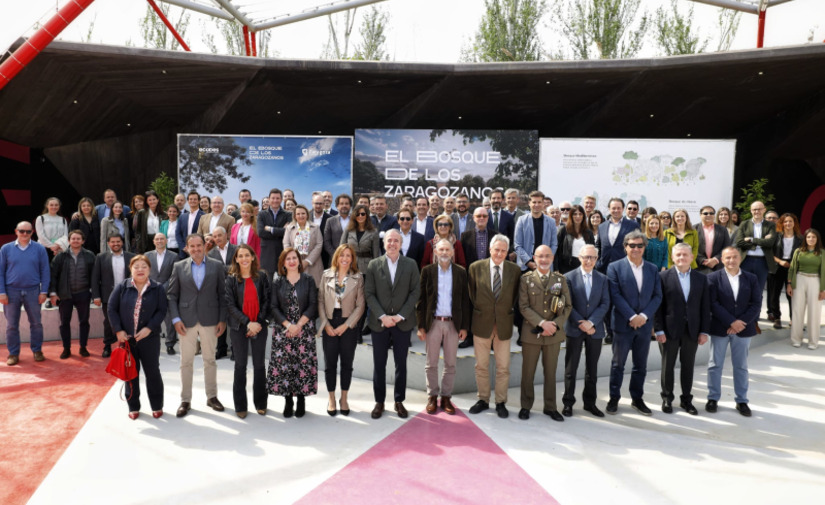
[{"x": 71, "y": 288}]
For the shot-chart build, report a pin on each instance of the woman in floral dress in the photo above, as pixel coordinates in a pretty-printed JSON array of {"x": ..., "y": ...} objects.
[{"x": 293, "y": 364}]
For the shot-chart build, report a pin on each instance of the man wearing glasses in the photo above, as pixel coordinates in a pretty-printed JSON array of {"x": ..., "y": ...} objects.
[
  {"x": 636, "y": 292},
  {"x": 712, "y": 239},
  {"x": 755, "y": 240},
  {"x": 24, "y": 282},
  {"x": 632, "y": 211}
]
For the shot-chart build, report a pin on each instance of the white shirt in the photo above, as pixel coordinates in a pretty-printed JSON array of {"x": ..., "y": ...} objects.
[
  {"x": 192, "y": 223},
  {"x": 757, "y": 233},
  {"x": 578, "y": 243},
  {"x": 317, "y": 220},
  {"x": 118, "y": 265},
  {"x": 22, "y": 247},
  {"x": 637, "y": 273},
  {"x": 493, "y": 273},
  {"x": 171, "y": 235},
  {"x": 734, "y": 283},
  {"x": 160, "y": 256},
  {"x": 243, "y": 234},
  {"x": 393, "y": 267},
  {"x": 344, "y": 221},
  {"x": 213, "y": 221},
  {"x": 152, "y": 224},
  {"x": 405, "y": 241},
  {"x": 421, "y": 225},
  {"x": 613, "y": 230},
  {"x": 223, "y": 251},
  {"x": 787, "y": 248}
]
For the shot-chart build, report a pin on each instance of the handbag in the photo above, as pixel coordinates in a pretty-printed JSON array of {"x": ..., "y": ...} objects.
[{"x": 122, "y": 363}]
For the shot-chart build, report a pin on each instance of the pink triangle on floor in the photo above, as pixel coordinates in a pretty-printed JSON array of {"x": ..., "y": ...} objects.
[{"x": 432, "y": 459}]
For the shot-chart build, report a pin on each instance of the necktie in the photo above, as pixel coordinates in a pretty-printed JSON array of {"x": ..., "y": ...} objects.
[
  {"x": 544, "y": 281},
  {"x": 497, "y": 282},
  {"x": 587, "y": 285},
  {"x": 495, "y": 220}
]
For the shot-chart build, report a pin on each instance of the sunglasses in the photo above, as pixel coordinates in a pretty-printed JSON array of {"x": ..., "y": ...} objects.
[
  {"x": 405, "y": 219},
  {"x": 708, "y": 213},
  {"x": 361, "y": 214},
  {"x": 440, "y": 225},
  {"x": 565, "y": 209},
  {"x": 25, "y": 232},
  {"x": 636, "y": 246}
]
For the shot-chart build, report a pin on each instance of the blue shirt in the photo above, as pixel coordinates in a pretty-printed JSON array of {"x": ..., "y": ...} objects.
[
  {"x": 198, "y": 272},
  {"x": 443, "y": 307},
  {"x": 684, "y": 281}
]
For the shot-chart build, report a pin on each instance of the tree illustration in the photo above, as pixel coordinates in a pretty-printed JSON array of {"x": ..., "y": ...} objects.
[{"x": 207, "y": 162}]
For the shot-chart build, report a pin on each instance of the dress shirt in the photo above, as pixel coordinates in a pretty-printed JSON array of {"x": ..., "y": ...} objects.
[
  {"x": 118, "y": 264},
  {"x": 462, "y": 223},
  {"x": 684, "y": 281},
  {"x": 709, "y": 233},
  {"x": 587, "y": 277},
  {"x": 493, "y": 272},
  {"x": 421, "y": 225},
  {"x": 734, "y": 283},
  {"x": 757, "y": 233},
  {"x": 613, "y": 230},
  {"x": 213, "y": 221},
  {"x": 637, "y": 272},
  {"x": 444, "y": 304},
  {"x": 21, "y": 247},
  {"x": 106, "y": 211},
  {"x": 198, "y": 272},
  {"x": 344, "y": 221},
  {"x": 192, "y": 224},
  {"x": 160, "y": 256},
  {"x": 171, "y": 235},
  {"x": 393, "y": 266},
  {"x": 223, "y": 251},
  {"x": 152, "y": 224},
  {"x": 405, "y": 241}
]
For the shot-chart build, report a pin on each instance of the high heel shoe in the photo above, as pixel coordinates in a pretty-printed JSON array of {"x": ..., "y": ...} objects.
[
  {"x": 333, "y": 412},
  {"x": 133, "y": 415},
  {"x": 300, "y": 409},
  {"x": 344, "y": 411},
  {"x": 288, "y": 407},
  {"x": 157, "y": 413}
]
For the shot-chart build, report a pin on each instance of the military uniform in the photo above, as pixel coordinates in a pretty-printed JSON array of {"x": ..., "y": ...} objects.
[{"x": 542, "y": 300}]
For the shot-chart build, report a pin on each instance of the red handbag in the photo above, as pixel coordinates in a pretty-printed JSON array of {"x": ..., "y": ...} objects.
[{"x": 122, "y": 363}]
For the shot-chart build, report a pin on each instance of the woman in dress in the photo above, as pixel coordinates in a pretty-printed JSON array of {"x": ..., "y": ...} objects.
[
  {"x": 665, "y": 220},
  {"x": 443, "y": 225},
  {"x": 305, "y": 237},
  {"x": 169, "y": 228},
  {"x": 52, "y": 228},
  {"x": 362, "y": 236},
  {"x": 806, "y": 284},
  {"x": 243, "y": 232},
  {"x": 681, "y": 232},
  {"x": 788, "y": 241},
  {"x": 86, "y": 221},
  {"x": 293, "y": 363},
  {"x": 341, "y": 303},
  {"x": 572, "y": 237},
  {"x": 656, "y": 250},
  {"x": 136, "y": 308},
  {"x": 248, "y": 292},
  {"x": 148, "y": 221},
  {"x": 115, "y": 224},
  {"x": 723, "y": 217}
]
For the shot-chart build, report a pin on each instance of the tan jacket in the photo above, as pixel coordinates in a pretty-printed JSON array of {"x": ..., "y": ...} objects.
[
  {"x": 535, "y": 302},
  {"x": 353, "y": 302},
  {"x": 224, "y": 220}
]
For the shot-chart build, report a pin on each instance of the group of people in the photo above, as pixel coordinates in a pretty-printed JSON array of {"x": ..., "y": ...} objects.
[{"x": 459, "y": 278}]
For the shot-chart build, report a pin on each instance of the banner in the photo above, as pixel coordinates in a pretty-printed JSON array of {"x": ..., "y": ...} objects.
[
  {"x": 224, "y": 164},
  {"x": 664, "y": 174},
  {"x": 444, "y": 162}
]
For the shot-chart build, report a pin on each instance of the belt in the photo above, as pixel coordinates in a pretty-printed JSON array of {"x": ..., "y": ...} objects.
[{"x": 442, "y": 318}]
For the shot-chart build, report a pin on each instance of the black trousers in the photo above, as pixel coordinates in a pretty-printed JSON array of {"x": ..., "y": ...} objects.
[
  {"x": 573, "y": 352},
  {"x": 241, "y": 346},
  {"x": 342, "y": 347},
  {"x": 776, "y": 286},
  {"x": 147, "y": 357},
  {"x": 685, "y": 349},
  {"x": 79, "y": 301},
  {"x": 108, "y": 336},
  {"x": 380, "y": 350}
]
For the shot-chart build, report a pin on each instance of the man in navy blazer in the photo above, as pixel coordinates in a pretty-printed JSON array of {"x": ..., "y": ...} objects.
[
  {"x": 104, "y": 209},
  {"x": 188, "y": 221},
  {"x": 682, "y": 324},
  {"x": 382, "y": 221},
  {"x": 526, "y": 242},
  {"x": 423, "y": 222},
  {"x": 501, "y": 221},
  {"x": 635, "y": 292},
  {"x": 412, "y": 242},
  {"x": 736, "y": 300},
  {"x": 590, "y": 296}
]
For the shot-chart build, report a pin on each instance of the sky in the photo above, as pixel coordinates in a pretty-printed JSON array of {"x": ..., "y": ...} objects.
[{"x": 419, "y": 30}]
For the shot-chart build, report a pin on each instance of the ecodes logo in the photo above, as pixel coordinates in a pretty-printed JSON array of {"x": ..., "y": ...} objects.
[{"x": 209, "y": 150}]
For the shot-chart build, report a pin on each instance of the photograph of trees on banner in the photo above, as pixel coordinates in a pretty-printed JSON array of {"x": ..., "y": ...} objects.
[{"x": 444, "y": 162}]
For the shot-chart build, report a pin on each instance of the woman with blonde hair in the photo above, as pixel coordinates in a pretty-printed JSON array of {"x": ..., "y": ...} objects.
[
  {"x": 443, "y": 225},
  {"x": 341, "y": 303},
  {"x": 86, "y": 221},
  {"x": 657, "y": 249},
  {"x": 305, "y": 237},
  {"x": 682, "y": 232},
  {"x": 244, "y": 231}
]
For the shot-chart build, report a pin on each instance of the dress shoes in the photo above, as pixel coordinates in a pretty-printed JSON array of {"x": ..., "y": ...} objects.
[
  {"x": 480, "y": 406},
  {"x": 689, "y": 408},
  {"x": 777, "y": 325},
  {"x": 667, "y": 407},
  {"x": 613, "y": 406},
  {"x": 743, "y": 409},
  {"x": 261, "y": 412},
  {"x": 524, "y": 414},
  {"x": 771, "y": 318},
  {"x": 170, "y": 350},
  {"x": 215, "y": 404},
  {"x": 432, "y": 404},
  {"x": 183, "y": 409},
  {"x": 501, "y": 410},
  {"x": 300, "y": 406},
  {"x": 400, "y": 410},
  {"x": 38, "y": 356},
  {"x": 65, "y": 354},
  {"x": 567, "y": 411},
  {"x": 594, "y": 410},
  {"x": 554, "y": 415},
  {"x": 157, "y": 414},
  {"x": 242, "y": 415},
  {"x": 377, "y": 411},
  {"x": 447, "y": 406},
  {"x": 134, "y": 415},
  {"x": 84, "y": 352},
  {"x": 465, "y": 344},
  {"x": 13, "y": 360},
  {"x": 288, "y": 407},
  {"x": 711, "y": 406},
  {"x": 107, "y": 351},
  {"x": 641, "y": 408},
  {"x": 608, "y": 339}
]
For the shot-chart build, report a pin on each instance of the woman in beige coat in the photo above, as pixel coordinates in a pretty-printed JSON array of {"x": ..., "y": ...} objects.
[
  {"x": 341, "y": 303},
  {"x": 305, "y": 237}
]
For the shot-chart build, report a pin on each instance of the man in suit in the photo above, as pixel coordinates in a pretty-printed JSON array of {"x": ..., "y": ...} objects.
[
  {"x": 111, "y": 267},
  {"x": 494, "y": 285},
  {"x": 755, "y": 240},
  {"x": 682, "y": 325},
  {"x": 632, "y": 211},
  {"x": 161, "y": 262},
  {"x": 220, "y": 249},
  {"x": 271, "y": 224},
  {"x": 197, "y": 302},
  {"x": 449, "y": 206},
  {"x": 215, "y": 218},
  {"x": 244, "y": 196},
  {"x": 512, "y": 199},
  {"x": 337, "y": 224},
  {"x": 712, "y": 239},
  {"x": 590, "y": 296},
  {"x": 544, "y": 300},
  {"x": 320, "y": 217},
  {"x": 443, "y": 315},
  {"x": 736, "y": 300},
  {"x": 502, "y": 221},
  {"x": 105, "y": 209},
  {"x": 636, "y": 292},
  {"x": 328, "y": 204},
  {"x": 476, "y": 245},
  {"x": 534, "y": 230},
  {"x": 189, "y": 221},
  {"x": 462, "y": 220},
  {"x": 423, "y": 222},
  {"x": 391, "y": 288},
  {"x": 412, "y": 242},
  {"x": 435, "y": 205}
]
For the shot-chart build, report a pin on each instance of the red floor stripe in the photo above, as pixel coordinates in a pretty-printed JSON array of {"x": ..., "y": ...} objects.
[
  {"x": 42, "y": 407},
  {"x": 432, "y": 459}
]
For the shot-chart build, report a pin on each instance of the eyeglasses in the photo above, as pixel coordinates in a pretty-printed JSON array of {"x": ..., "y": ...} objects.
[
  {"x": 636, "y": 246},
  {"x": 708, "y": 213},
  {"x": 404, "y": 218},
  {"x": 361, "y": 214},
  {"x": 25, "y": 232},
  {"x": 632, "y": 209},
  {"x": 565, "y": 209},
  {"x": 589, "y": 258},
  {"x": 440, "y": 225}
]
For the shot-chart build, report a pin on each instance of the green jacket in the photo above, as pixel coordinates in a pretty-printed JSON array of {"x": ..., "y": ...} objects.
[{"x": 767, "y": 241}]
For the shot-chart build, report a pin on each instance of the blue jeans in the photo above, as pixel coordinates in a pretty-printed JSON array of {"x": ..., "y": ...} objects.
[
  {"x": 739, "y": 358},
  {"x": 27, "y": 298},
  {"x": 623, "y": 343}
]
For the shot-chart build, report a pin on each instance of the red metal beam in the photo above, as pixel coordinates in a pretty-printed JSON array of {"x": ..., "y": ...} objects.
[
  {"x": 41, "y": 38},
  {"x": 246, "y": 39},
  {"x": 163, "y": 18},
  {"x": 760, "y": 35},
  {"x": 253, "y": 36}
]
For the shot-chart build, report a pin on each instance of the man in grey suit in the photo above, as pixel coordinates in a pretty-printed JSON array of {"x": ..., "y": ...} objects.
[
  {"x": 392, "y": 289},
  {"x": 161, "y": 262},
  {"x": 462, "y": 219},
  {"x": 337, "y": 224},
  {"x": 111, "y": 267},
  {"x": 219, "y": 248},
  {"x": 198, "y": 306}
]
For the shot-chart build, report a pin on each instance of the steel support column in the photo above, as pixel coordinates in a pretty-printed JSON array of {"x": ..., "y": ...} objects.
[
  {"x": 246, "y": 40},
  {"x": 760, "y": 34},
  {"x": 168, "y": 24},
  {"x": 253, "y": 36}
]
